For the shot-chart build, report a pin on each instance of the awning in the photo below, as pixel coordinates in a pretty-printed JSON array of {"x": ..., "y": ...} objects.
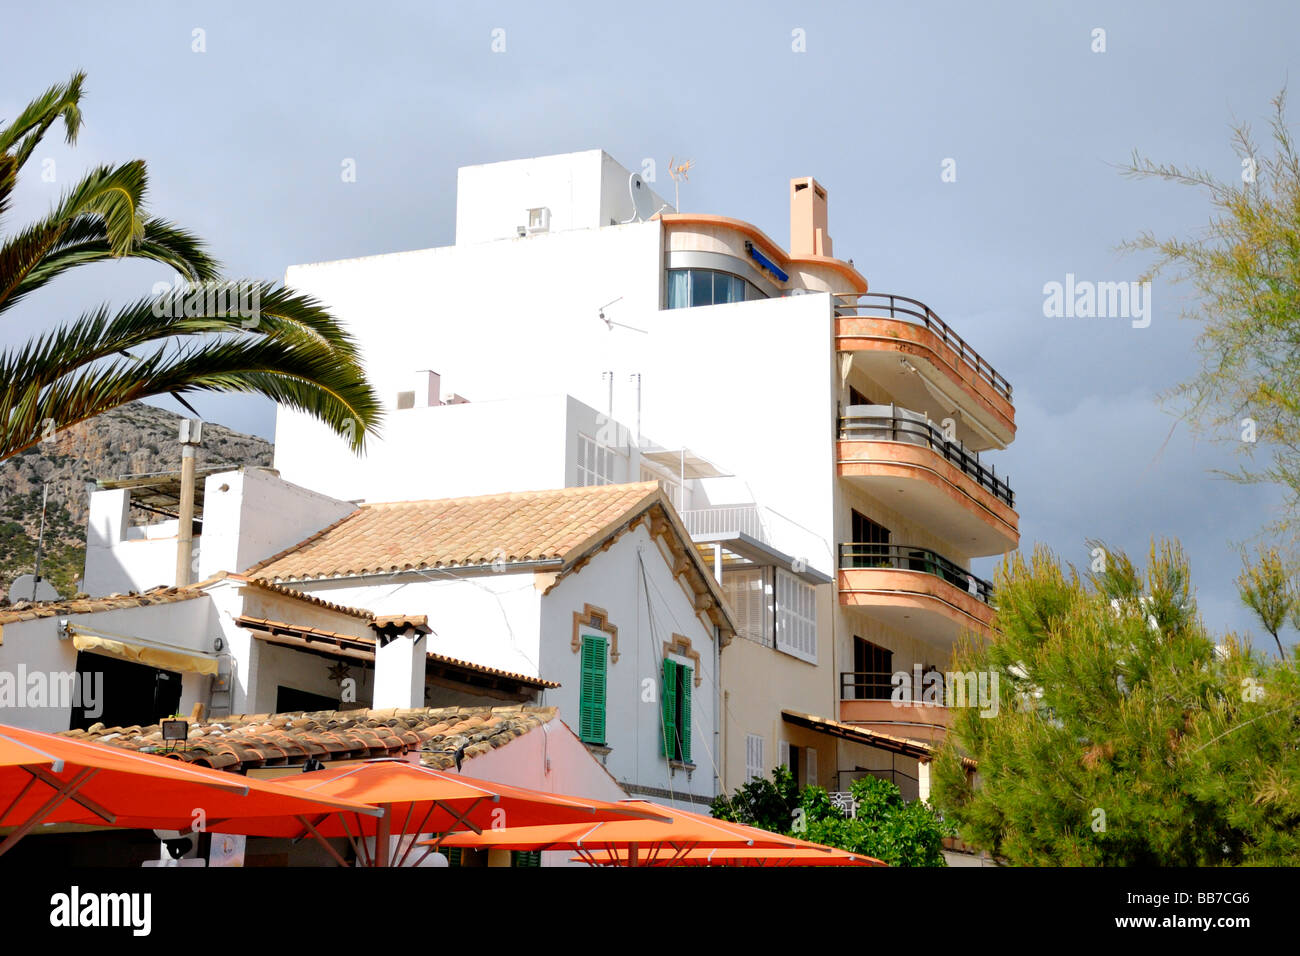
[
  {"x": 164, "y": 658},
  {"x": 675, "y": 460},
  {"x": 903, "y": 746}
]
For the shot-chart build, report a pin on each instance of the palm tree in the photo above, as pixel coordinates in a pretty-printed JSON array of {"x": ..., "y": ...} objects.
[{"x": 199, "y": 337}]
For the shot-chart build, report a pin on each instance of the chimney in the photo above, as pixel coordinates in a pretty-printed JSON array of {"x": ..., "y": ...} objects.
[
  {"x": 400, "y": 654},
  {"x": 427, "y": 383},
  {"x": 808, "y": 235}
]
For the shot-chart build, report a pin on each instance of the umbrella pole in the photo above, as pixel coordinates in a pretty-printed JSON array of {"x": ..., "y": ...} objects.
[
  {"x": 381, "y": 835},
  {"x": 323, "y": 842},
  {"x": 62, "y": 794}
]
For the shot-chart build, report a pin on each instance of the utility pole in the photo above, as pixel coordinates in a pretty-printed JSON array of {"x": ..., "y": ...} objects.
[
  {"x": 191, "y": 436},
  {"x": 40, "y": 540}
]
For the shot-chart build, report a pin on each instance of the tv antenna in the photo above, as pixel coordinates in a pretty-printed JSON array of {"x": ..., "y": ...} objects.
[
  {"x": 680, "y": 172},
  {"x": 610, "y": 323}
]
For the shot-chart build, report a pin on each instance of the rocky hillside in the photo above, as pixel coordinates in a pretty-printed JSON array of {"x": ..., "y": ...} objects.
[{"x": 134, "y": 440}]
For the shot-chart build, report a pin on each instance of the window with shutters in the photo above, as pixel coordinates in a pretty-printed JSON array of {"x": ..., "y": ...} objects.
[
  {"x": 796, "y": 616},
  {"x": 677, "y": 680},
  {"x": 749, "y": 593},
  {"x": 525, "y": 857},
  {"x": 755, "y": 762},
  {"x": 810, "y": 767},
  {"x": 591, "y": 703}
]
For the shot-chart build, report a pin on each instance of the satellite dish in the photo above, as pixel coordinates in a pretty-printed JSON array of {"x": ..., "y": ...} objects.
[{"x": 21, "y": 589}]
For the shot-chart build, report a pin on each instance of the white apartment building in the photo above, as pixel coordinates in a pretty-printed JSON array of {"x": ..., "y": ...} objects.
[{"x": 854, "y": 422}]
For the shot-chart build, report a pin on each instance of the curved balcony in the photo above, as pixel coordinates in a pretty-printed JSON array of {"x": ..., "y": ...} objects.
[
  {"x": 915, "y": 590},
  {"x": 901, "y": 343},
  {"x": 866, "y": 698},
  {"x": 902, "y": 459}
]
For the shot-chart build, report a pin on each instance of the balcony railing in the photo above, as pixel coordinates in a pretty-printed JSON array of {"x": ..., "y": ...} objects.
[
  {"x": 891, "y": 423},
  {"x": 866, "y": 685},
  {"x": 902, "y": 557},
  {"x": 868, "y": 304},
  {"x": 727, "y": 519}
]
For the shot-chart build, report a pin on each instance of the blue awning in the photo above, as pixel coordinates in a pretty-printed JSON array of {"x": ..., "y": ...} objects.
[{"x": 765, "y": 262}]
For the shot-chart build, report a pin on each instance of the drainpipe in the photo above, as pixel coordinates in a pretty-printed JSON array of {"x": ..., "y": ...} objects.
[
  {"x": 720, "y": 758},
  {"x": 191, "y": 436}
]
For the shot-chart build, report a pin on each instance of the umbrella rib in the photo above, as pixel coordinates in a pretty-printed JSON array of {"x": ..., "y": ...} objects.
[
  {"x": 416, "y": 835},
  {"x": 361, "y": 839},
  {"x": 356, "y": 846},
  {"x": 54, "y": 782},
  {"x": 68, "y": 790},
  {"x": 55, "y": 762},
  {"x": 31, "y": 782},
  {"x": 323, "y": 842}
]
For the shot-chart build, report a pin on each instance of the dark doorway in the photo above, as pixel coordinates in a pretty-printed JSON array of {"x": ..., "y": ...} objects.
[
  {"x": 124, "y": 693},
  {"x": 873, "y": 668},
  {"x": 287, "y": 699}
]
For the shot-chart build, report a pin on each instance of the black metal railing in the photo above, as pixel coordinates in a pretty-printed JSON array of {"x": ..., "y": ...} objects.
[
  {"x": 903, "y": 557},
  {"x": 867, "y": 304},
  {"x": 890, "y": 423},
  {"x": 866, "y": 685}
]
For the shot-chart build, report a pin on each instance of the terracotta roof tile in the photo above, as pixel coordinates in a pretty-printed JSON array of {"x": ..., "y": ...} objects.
[
  {"x": 28, "y": 610},
  {"x": 460, "y": 532},
  {"x": 268, "y": 740}
]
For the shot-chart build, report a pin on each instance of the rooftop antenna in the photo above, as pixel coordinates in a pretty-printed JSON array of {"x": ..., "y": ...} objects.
[
  {"x": 679, "y": 172},
  {"x": 609, "y": 323}
]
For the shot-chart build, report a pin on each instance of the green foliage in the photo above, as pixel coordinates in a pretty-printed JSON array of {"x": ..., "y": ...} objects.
[
  {"x": 884, "y": 826},
  {"x": 290, "y": 350},
  {"x": 1244, "y": 267},
  {"x": 1266, "y": 588},
  {"x": 1123, "y": 735}
]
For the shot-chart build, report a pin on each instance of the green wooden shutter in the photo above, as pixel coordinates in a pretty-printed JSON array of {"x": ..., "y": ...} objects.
[
  {"x": 453, "y": 855},
  {"x": 591, "y": 709},
  {"x": 526, "y": 858},
  {"x": 669, "y": 697},
  {"x": 685, "y": 675}
]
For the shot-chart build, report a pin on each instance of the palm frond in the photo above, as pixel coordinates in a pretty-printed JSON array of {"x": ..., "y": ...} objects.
[
  {"x": 310, "y": 379},
  {"x": 8, "y": 180},
  {"x": 63, "y": 100},
  {"x": 97, "y": 344},
  {"x": 113, "y": 194},
  {"x": 86, "y": 241}
]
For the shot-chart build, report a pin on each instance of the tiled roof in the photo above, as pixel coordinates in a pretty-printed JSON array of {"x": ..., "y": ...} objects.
[
  {"x": 461, "y": 532},
  {"x": 268, "y": 740},
  {"x": 29, "y": 610},
  {"x": 304, "y": 596}
]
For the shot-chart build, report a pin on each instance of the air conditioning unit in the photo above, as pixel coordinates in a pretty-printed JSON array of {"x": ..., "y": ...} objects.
[{"x": 539, "y": 220}]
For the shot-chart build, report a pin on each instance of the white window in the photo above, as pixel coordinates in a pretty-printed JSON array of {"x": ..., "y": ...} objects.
[
  {"x": 755, "y": 762},
  {"x": 783, "y": 754},
  {"x": 810, "y": 767},
  {"x": 796, "y": 617},
  {"x": 595, "y": 463},
  {"x": 750, "y": 596}
]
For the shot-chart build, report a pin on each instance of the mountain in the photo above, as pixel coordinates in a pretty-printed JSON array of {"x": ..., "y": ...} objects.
[{"x": 136, "y": 439}]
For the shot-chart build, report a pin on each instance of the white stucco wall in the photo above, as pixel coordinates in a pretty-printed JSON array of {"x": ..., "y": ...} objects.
[
  {"x": 613, "y": 582},
  {"x": 490, "y": 619},
  {"x": 34, "y": 646}
]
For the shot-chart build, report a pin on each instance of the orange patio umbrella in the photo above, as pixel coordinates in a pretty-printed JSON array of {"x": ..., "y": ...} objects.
[
  {"x": 416, "y": 800},
  {"x": 795, "y": 856},
  {"x": 45, "y": 778},
  {"x": 642, "y": 842}
]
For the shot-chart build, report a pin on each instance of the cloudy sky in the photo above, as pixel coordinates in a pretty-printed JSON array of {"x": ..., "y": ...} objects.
[{"x": 245, "y": 141}]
